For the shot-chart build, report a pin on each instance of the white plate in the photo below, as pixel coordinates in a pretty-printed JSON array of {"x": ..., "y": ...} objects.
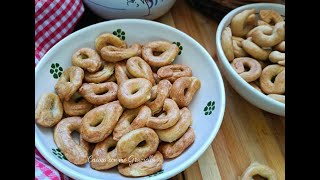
[{"x": 205, "y": 123}]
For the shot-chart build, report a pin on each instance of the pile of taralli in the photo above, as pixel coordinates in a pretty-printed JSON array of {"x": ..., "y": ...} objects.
[
  {"x": 130, "y": 103},
  {"x": 255, "y": 47}
]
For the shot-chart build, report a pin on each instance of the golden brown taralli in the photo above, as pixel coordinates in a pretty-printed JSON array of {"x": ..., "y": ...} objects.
[
  {"x": 49, "y": 110},
  {"x": 74, "y": 152},
  {"x": 99, "y": 94}
]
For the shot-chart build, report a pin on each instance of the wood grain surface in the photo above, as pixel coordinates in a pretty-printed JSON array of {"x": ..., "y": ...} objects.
[{"x": 247, "y": 134}]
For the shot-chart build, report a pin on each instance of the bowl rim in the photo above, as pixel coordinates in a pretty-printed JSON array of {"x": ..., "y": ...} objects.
[
  {"x": 227, "y": 64},
  {"x": 220, "y": 114}
]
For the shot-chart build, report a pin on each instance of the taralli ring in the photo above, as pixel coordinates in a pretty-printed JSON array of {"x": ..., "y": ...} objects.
[
  {"x": 69, "y": 82},
  {"x": 167, "y": 120},
  {"x": 102, "y": 158},
  {"x": 121, "y": 72},
  {"x": 265, "y": 28},
  {"x": 183, "y": 90},
  {"x": 99, "y": 123},
  {"x": 174, "y": 149},
  {"x": 99, "y": 94},
  {"x": 49, "y": 110},
  {"x": 239, "y": 25},
  {"x": 168, "y": 54},
  {"x": 174, "y": 71},
  {"x": 76, "y": 153},
  {"x": 268, "y": 73},
  {"x": 130, "y": 120},
  {"x": 226, "y": 43},
  {"x": 115, "y": 54},
  {"x": 254, "y": 71},
  {"x": 128, "y": 148},
  {"x": 140, "y": 69},
  {"x": 258, "y": 169},
  {"x": 77, "y": 105},
  {"x": 102, "y": 75},
  {"x": 108, "y": 39},
  {"x": 158, "y": 95},
  {"x": 263, "y": 39},
  {"x": 175, "y": 132},
  {"x": 144, "y": 167},
  {"x": 133, "y": 93},
  {"x": 254, "y": 50},
  {"x": 87, "y": 59}
]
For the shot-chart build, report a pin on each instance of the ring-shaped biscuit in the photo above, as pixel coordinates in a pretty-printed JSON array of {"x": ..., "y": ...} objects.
[
  {"x": 77, "y": 105},
  {"x": 108, "y": 39},
  {"x": 69, "y": 82},
  {"x": 140, "y": 69},
  {"x": 99, "y": 122},
  {"x": 49, "y": 110},
  {"x": 258, "y": 169},
  {"x": 99, "y": 94},
  {"x": 168, "y": 54},
  {"x": 76, "y": 153},
  {"x": 115, "y": 54},
  {"x": 102, "y": 75},
  {"x": 254, "y": 66},
  {"x": 87, "y": 59},
  {"x": 169, "y": 119},
  {"x": 128, "y": 147},
  {"x": 133, "y": 93},
  {"x": 183, "y": 90},
  {"x": 270, "y": 86},
  {"x": 174, "y": 71}
]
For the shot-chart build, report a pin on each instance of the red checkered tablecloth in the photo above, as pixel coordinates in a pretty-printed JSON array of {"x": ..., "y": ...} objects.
[{"x": 54, "y": 20}]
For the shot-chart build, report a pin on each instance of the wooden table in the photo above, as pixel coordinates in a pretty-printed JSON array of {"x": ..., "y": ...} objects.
[{"x": 247, "y": 133}]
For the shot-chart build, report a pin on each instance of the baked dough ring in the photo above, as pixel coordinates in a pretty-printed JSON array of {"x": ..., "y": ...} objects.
[
  {"x": 174, "y": 71},
  {"x": 49, "y": 110},
  {"x": 130, "y": 120},
  {"x": 169, "y": 53},
  {"x": 106, "y": 70},
  {"x": 175, "y": 132},
  {"x": 77, "y": 105},
  {"x": 183, "y": 90},
  {"x": 158, "y": 95},
  {"x": 258, "y": 169},
  {"x": 265, "y": 28},
  {"x": 165, "y": 120},
  {"x": 239, "y": 65},
  {"x": 75, "y": 153},
  {"x": 226, "y": 43},
  {"x": 69, "y": 82},
  {"x": 174, "y": 149},
  {"x": 99, "y": 94},
  {"x": 264, "y": 39},
  {"x": 87, "y": 59},
  {"x": 254, "y": 50},
  {"x": 239, "y": 23},
  {"x": 276, "y": 56},
  {"x": 99, "y": 123},
  {"x": 133, "y": 93},
  {"x": 280, "y": 47},
  {"x": 115, "y": 54},
  {"x": 268, "y": 73},
  {"x": 140, "y": 69},
  {"x": 143, "y": 168},
  {"x": 101, "y": 158},
  {"x": 128, "y": 148},
  {"x": 107, "y": 39},
  {"x": 121, "y": 72}
]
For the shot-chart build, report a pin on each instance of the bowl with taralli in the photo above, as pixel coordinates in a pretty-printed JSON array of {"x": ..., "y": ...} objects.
[
  {"x": 251, "y": 50},
  {"x": 126, "y": 99}
]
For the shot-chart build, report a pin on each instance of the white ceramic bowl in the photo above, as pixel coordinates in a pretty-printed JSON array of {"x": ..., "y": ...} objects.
[
  {"x": 119, "y": 9},
  {"x": 207, "y": 107},
  {"x": 241, "y": 86}
]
